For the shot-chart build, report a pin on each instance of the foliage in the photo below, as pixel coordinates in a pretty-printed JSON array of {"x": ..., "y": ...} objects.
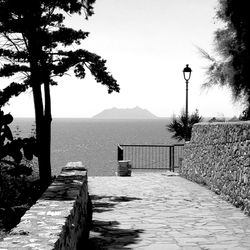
[
  {"x": 18, "y": 174},
  {"x": 245, "y": 116},
  {"x": 18, "y": 33},
  {"x": 14, "y": 150},
  {"x": 178, "y": 125},
  {"x": 232, "y": 43},
  {"x": 16, "y": 196},
  {"x": 37, "y": 46}
]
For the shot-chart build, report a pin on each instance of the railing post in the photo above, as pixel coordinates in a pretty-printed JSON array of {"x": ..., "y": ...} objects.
[
  {"x": 119, "y": 153},
  {"x": 171, "y": 158}
]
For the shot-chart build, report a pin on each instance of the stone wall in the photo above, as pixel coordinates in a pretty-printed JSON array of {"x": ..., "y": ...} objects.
[
  {"x": 218, "y": 156},
  {"x": 60, "y": 219}
]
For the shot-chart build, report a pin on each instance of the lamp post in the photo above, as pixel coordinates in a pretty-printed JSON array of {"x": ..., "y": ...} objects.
[{"x": 187, "y": 74}]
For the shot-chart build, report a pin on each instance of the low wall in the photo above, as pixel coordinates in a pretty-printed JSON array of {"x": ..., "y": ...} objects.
[
  {"x": 60, "y": 219},
  {"x": 218, "y": 156}
]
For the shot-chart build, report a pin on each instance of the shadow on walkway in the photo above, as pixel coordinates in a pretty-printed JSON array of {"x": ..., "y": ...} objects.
[{"x": 108, "y": 234}]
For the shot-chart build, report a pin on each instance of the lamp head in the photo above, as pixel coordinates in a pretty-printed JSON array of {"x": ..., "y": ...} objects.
[{"x": 187, "y": 72}]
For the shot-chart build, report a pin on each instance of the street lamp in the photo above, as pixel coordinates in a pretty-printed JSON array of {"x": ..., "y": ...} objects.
[{"x": 187, "y": 74}]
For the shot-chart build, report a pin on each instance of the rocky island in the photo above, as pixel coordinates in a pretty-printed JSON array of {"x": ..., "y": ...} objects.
[{"x": 133, "y": 113}]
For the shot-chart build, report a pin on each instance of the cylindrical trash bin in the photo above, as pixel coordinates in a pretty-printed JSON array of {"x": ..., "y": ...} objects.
[{"x": 124, "y": 168}]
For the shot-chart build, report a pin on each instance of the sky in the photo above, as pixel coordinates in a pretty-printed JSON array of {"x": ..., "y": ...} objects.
[{"x": 146, "y": 43}]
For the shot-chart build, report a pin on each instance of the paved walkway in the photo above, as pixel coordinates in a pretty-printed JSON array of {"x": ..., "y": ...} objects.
[{"x": 156, "y": 211}]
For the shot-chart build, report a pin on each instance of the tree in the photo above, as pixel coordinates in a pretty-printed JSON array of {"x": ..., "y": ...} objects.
[
  {"x": 178, "y": 125},
  {"x": 37, "y": 46},
  {"x": 232, "y": 43}
]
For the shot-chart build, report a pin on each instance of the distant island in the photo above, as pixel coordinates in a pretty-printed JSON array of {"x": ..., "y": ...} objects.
[{"x": 133, "y": 113}]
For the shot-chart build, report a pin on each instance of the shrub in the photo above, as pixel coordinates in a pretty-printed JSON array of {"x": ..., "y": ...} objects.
[{"x": 178, "y": 125}]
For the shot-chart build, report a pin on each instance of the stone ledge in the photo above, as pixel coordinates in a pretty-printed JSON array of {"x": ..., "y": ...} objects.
[
  {"x": 218, "y": 155},
  {"x": 220, "y": 132},
  {"x": 60, "y": 219}
]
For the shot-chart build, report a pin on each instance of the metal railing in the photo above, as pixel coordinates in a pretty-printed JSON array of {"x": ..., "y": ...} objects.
[{"x": 151, "y": 156}]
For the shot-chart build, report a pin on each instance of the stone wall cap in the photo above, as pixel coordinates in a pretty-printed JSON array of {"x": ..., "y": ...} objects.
[
  {"x": 222, "y": 123},
  {"x": 74, "y": 165}
]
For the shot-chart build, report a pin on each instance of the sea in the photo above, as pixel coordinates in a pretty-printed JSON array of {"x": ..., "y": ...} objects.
[{"x": 94, "y": 141}]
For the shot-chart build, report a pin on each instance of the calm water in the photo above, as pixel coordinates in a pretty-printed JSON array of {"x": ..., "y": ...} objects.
[{"x": 94, "y": 142}]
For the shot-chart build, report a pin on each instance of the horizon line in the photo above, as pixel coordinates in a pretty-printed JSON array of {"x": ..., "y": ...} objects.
[{"x": 76, "y": 117}]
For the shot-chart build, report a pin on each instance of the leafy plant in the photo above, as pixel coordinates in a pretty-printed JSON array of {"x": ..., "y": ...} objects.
[
  {"x": 181, "y": 127},
  {"x": 14, "y": 150}
]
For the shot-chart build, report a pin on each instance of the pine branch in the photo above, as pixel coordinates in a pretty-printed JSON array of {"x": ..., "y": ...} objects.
[
  {"x": 80, "y": 58},
  {"x": 10, "y": 40},
  {"x": 14, "y": 89},
  {"x": 11, "y": 69}
]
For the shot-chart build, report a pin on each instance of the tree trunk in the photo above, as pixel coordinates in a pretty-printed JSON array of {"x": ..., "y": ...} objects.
[
  {"x": 42, "y": 134},
  {"x": 42, "y": 113},
  {"x": 47, "y": 120}
]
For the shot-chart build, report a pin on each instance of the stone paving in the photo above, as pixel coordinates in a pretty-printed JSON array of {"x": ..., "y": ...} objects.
[{"x": 155, "y": 211}]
